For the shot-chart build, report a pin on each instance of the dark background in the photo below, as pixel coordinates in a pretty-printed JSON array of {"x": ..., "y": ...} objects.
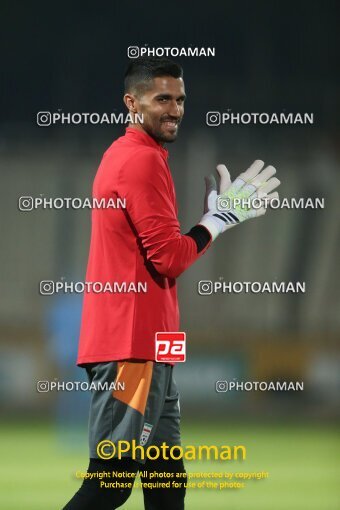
[{"x": 270, "y": 57}]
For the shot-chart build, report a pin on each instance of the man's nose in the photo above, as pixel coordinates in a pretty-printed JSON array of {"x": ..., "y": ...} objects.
[{"x": 175, "y": 110}]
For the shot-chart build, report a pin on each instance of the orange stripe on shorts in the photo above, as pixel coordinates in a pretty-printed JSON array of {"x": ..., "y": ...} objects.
[{"x": 137, "y": 379}]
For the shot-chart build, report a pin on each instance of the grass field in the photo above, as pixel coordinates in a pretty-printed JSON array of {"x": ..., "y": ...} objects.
[{"x": 38, "y": 470}]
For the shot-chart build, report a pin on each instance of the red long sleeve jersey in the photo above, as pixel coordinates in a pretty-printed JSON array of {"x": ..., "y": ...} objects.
[{"x": 136, "y": 246}]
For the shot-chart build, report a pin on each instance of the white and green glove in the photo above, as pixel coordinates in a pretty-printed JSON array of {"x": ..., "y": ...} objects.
[{"x": 235, "y": 202}]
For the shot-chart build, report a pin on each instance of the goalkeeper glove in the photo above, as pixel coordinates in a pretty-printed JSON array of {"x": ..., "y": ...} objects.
[{"x": 234, "y": 203}]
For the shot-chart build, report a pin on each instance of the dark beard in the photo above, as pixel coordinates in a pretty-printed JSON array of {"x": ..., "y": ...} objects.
[{"x": 159, "y": 136}]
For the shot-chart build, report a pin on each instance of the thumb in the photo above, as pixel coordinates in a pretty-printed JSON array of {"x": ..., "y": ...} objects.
[
  {"x": 210, "y": 185},
  {"x": 225, "y": 180}
]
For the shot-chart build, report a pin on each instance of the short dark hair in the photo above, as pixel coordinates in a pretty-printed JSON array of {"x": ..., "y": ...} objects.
[{"x": 142, "y": 70}]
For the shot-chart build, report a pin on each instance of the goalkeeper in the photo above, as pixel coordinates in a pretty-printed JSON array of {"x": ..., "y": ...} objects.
[{"x": 143, "y": 243}]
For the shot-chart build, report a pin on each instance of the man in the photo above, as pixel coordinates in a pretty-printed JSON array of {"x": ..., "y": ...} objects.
[{"x": 142, "y": 243}]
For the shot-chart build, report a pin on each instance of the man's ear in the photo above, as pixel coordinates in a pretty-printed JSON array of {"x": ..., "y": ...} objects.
[{"x": 130, "y": 102}]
